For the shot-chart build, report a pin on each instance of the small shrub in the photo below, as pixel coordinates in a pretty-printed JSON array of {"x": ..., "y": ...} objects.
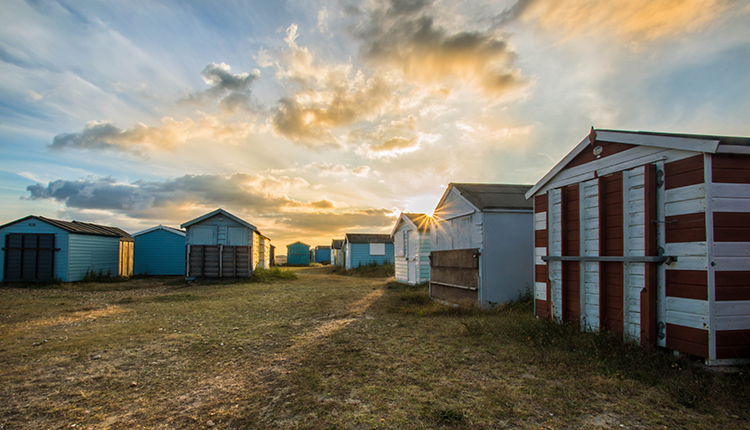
[
  {"x": 269, "y": 275},
  {"x": 101, "y": 276}
]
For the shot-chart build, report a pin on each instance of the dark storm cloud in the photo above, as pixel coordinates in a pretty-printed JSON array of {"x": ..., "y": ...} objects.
[{"x": 262, "y": 193}]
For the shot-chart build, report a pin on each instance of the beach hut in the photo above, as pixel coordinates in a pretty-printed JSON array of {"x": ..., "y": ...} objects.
[
  {"x": 482, "y": 244},
  {"x": 221, "y": 245},
  {"x": 159, "y": 250},
  {"x": 648, "y": 234},
  {"x": 39, "y": 249},
  {"x": 323, "y": 254},
  {"x": 337, "y": 252},
  {"x": 298, "y": 254},
  {"x": 361, "y": 249},
  {"x": 411, "y": 237}
]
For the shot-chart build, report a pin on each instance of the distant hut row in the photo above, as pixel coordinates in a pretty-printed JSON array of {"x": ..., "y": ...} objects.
[{"x": 215, "y": 245}]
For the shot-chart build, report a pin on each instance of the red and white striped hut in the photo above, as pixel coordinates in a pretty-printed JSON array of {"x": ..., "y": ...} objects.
[{"x": 648, "y": 234}]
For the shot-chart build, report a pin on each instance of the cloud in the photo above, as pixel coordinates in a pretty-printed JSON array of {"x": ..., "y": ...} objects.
[
  {"x": 632, "y": 20},
  {"x": 405, "y": 36},
  {"x": 390, "y": 139},
  {"x": 140, "y": 138},
  {"x": 338, "y": 223},
  {"x": 264, "y": 194},
  {"x": 232, "y": 90},
  {"x": 329, "y": 96},
  {"x": 326, "y": 169}
]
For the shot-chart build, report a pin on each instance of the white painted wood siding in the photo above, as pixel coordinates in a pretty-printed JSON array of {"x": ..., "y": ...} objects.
[
  {"x": 590, "y": 246},
  {"x": 634, "y": 224},
  {"x": 555, "y": 267}
]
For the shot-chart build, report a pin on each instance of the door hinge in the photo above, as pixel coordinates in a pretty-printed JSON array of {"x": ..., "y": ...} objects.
[
  {"x": 659, "y": 178},
  {"x": 661, "y": 330}
]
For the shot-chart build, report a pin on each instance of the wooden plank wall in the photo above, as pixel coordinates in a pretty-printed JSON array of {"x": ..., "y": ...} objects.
[
  {"x": 220, "y": 261},
  {"x": 731, "y": 230},
  {"x": 541, "y": 280},
  {"x": 571, "y": 238},
  {"x": 687, "y": 306},
  {"x": 459, "y": 267},
  {"x": 611, "y": 244}
]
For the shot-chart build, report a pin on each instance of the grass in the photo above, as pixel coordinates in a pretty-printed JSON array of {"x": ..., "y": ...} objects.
[
  {"x": 273, "y": 274},
  {"x": 327, "y": 351},
  {"x": 371, "y": 270}
]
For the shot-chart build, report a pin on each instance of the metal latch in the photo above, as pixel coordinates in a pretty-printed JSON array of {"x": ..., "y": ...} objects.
[{"x": 661, "y": 330}]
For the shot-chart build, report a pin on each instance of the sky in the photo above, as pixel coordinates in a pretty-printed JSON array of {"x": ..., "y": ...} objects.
[{"x": 309, "y": 119}]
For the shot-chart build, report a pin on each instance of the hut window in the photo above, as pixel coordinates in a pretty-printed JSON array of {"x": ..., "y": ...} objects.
[{"x": 377, "y": 249}]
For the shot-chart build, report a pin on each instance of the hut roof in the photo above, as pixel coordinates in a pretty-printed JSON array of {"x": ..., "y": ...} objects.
[
  {"x": 337, "y": 243},
  {"x": 494, "y": 196},
  {"x": 79, "y": 227},
  {"x": 161, "y": 227},
  {"x": 688, "y": 142},
  {"x": 219, "y": 212},
  {"x": 420, "y": 222},
  {"x": 368, "y": 238}
]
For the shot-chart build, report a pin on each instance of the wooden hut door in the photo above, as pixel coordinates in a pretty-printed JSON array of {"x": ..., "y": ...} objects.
[{"x": 571, "y": 270}]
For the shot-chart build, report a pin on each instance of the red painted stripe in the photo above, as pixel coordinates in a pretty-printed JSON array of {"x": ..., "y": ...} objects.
[
  {"x": 688, "y": 340},
  {"x": 540, "y": 273},
  {"x": 730, "y": 169},
  {"x": 731, "y": 286},
  {"x": 686, "y": 228},
  {"x": 687, "y": 284},
  {"x": 541, "y": 308},
  {"x": 731, "y": 227},
  {"x": 540, "y": 203},
  {"x": 540, "y": 238},
  {"x": 732, "y": 344},
  {"x": 682, "y": 173}
]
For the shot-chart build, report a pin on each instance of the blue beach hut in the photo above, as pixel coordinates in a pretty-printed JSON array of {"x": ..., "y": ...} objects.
[
  {"x": 159, "y": 250},
  {"x": 298, "y": 254}
]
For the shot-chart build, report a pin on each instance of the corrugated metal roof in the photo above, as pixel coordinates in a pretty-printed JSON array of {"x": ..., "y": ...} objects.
[
  {"x": 368, "y": 238},
  {"x": 495, "y": 196},
  {"x": 79, "y": 227},
  {"x": 337, "y": 243}
]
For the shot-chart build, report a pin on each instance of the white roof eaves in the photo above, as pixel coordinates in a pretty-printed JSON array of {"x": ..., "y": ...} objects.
[
  {"x": 733, "y": 149},
  {"x": 696, "y": 144},
  {"x": 398, "y": 221},
  {"x": 668, "y": 142},
  {"x": 445, "y": 196},
  {"x": 558, "y": 167}
]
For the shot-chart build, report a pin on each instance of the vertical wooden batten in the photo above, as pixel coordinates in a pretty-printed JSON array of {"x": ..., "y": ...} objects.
[{"x": 648, "y": 293}]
